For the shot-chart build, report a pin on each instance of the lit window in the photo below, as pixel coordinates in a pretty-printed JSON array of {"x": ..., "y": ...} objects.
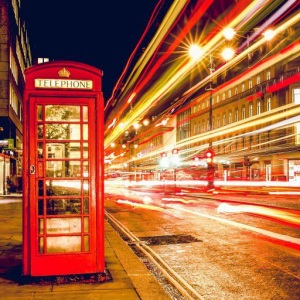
[
  {"x": 297, "y": 135},
  {"x": 250, "y": 109},
  {"x": 243, "y": 113},
  {"x": 224, "y": 120},
  {"x": 269, "y": 104},
  {"x": 258, "y": 79},
  {"x": 250, "y": 84},
  {"x": 268, "y": 75},
  {"x": 296, "y": 96},
  {"x": 236, "y": 90},
  {"x": 258, "y": 107},
  {"x": 230, "y": 118},
  {"x": 218, "y": 98},
  {"x": 229, "y": 93},
  {"x": 236, "y": 115},
  {"x": 223, "y": 96},
  {"x": 243, "y": 87}
]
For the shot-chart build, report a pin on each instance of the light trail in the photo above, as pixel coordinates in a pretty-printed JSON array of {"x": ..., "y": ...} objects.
[
  {"x": 159, "y": 89},
  {"x": 263, "y": 232},
  {"x": 286, "y": 216}
]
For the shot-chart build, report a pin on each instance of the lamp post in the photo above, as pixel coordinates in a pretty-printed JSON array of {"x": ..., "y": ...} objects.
[{"x": 210, "y": 164}]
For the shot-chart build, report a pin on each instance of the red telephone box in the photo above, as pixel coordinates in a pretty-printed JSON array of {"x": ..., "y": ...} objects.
[{"x": 63, "y": 215}]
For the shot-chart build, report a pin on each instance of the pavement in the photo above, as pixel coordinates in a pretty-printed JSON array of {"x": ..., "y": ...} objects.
[{"x": 127, "y": 276}]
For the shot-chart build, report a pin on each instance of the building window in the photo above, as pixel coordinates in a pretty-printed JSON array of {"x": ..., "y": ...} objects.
[
  {"x": 224, "y": 119},
  {"x": 195, "y": 129},
  {"x": 258, "y": 107},
  {"x": 195, "y": 109},
  {"x": 223, "y": 96},
  {"x": 243, "y": 113},
  {"x": 236, "y": 115},
  {"x": 243, "y": 87},
  {"x": 230, "y": 117},
  {"x": 297, "y": 135},
  {"x": 296, "y": 96},
  {"x": 218, "y": 98},
  {"x": 269, "y": 104},
  {"x": 250, "y": 109},
  {"x": 236, "y": 90},
  {"x": 268, "y": 75},
  {"x": 199, "y": 127},
  {"x": 258, "y": 79},
  {"x": 229, "y": 93},
  {"x": 250, "y": 84},
  {"x": 218, "y": 122},
  {"x": 207, "y": 125}
]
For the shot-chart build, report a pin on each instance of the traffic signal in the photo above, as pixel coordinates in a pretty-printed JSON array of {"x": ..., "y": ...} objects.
[
  {"x": 164, "y": 154},
  {"x": 175, "y": 151},
  {"x": 209, "y": 156}
]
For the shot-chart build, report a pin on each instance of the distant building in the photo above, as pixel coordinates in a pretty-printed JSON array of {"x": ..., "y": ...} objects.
[{"x": 15, "y": 57}]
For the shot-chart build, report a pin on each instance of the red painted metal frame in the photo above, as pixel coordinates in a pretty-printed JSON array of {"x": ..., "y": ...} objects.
[{"x": 34, "y": 263}]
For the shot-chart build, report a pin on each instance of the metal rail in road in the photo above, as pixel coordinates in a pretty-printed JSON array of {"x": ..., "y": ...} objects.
[{"x": 183, "y": 287}]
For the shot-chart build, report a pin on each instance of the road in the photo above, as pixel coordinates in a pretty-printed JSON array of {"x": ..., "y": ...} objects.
[{"x": 226, "y": 246}]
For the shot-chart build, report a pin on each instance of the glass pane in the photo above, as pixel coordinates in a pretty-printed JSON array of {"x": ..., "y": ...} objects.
[
  {"x": 85, "y": 169},
  {"x": 62, "y": 113},
  {"x": 63, "y": 225},
  {"x": 40, "y": 150},
  {"x": 40, "y": 188},
  {"x": 85, "y": 132},
  {"x": 63, "y": 187},
  {"x": 86, "y": 243},
  {"x": 63, "y": 244},
  {"x": 57, "y": 168},
  {"x": 86, "y": 205},
  {"x": 40, "y": 207},
  {"x": 63, "y": 131},
  {"x": 85, "y": 150},
  {"x": 41, "y": 245},
  {"x": 86, "y": 224},
  {"x": 85, "y": 113},
  {"x": 40, "y": 112},
  {"x": 85, "y": 187},
  {"x": 63, "y": 206},
  {"x": 40, "y": 132},
  {"x": 41, "y": 226},
  {"x": 63, "y": 150}
]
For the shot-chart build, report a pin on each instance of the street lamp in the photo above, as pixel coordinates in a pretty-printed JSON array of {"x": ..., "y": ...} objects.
[{"x": 210, "y": 165}]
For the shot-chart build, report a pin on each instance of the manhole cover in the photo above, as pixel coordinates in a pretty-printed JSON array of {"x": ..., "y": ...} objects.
[{"x": 170, "y": 239}]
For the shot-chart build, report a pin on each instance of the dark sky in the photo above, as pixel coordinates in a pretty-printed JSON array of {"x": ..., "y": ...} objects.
[{"x": 102, "y": 33}]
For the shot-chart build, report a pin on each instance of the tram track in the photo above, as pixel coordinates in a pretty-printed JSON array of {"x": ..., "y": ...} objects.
[{"x": 181, "y": 285}]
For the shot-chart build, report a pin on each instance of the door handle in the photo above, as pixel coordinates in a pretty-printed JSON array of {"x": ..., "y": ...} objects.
[{"x": 32, "y": 169}]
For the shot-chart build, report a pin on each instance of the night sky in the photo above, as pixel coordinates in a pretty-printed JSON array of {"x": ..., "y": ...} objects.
[{"x": 102, "y": 33}]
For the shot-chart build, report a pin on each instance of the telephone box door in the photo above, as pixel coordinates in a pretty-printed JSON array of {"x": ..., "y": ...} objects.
[{"x": 62, "y": 185}]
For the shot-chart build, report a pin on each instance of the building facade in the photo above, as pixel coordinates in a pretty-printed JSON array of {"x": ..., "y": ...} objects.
[
  {"x": 248, "y": 115},
  {"x": 15, "y": 57}
]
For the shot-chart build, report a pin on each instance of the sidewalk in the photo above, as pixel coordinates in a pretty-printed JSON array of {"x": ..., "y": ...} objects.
[{"x": 128, "y": 277}]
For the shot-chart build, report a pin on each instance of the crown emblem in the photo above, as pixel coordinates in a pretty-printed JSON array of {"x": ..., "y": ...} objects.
[{"x": 64, "y": 73}]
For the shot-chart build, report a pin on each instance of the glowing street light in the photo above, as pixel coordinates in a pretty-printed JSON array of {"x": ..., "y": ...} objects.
[
  {"x": 227, "y": 53},
  {"x": 229, "y": 33},
  {"x": 269, "y": 34},
  {"x": 195, "y": 52}
]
